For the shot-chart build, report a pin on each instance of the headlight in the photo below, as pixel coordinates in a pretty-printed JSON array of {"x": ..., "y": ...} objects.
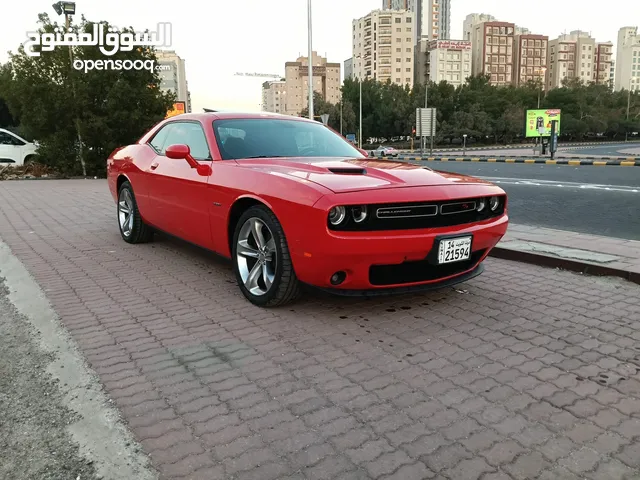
[
  {"x": 494, "y": 203},
  {"x": 337, "y": 215},
  {"x": 482, "y": 203},
  {"x": 359, "y": 213}
]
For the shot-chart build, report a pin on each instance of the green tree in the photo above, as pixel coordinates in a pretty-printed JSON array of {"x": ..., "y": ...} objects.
[{"x": 77, "y": 116}]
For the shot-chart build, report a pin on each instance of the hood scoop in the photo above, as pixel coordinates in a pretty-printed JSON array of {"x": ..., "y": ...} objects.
[{"x": 348, "y": 170}]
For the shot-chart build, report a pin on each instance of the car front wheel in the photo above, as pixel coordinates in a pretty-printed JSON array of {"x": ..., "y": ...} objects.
[
  {"x": 261, "y": 259},
  {"x": 132, "y": 228}
]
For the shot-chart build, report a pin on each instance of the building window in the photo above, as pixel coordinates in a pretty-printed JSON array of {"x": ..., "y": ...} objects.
[{"x": 398, "y": 20}]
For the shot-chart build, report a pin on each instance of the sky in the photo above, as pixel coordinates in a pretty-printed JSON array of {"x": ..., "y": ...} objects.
[{"x": 218, "y": 38}]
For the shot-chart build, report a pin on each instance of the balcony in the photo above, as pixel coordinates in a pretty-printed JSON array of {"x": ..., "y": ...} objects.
[
  {"x": 385, "y": 41},
  {"x": 385, "y": 61},
  {"x": 385, "y": 21},
  {"x": 384, "y": 31}
]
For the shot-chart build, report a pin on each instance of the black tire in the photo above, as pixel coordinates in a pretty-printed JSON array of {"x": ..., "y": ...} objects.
[
  {"x": 286, "y": 286},
  {"x": 140, "y": 232}
]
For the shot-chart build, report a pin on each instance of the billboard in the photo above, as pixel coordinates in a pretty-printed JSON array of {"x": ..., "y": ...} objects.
[
  {"x": 178, "y": 108},
  {"x": 539, "y": 122}
]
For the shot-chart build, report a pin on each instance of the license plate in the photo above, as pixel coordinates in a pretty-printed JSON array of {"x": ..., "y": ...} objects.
[{"x": 454, "y": 250}]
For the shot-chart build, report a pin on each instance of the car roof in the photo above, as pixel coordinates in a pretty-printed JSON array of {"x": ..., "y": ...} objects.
[{"x": 229, "y": 114}]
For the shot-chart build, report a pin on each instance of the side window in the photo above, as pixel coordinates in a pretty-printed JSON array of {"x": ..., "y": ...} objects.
[
  {"x": 186, "y": 133},
  {"x": 158, "y": 141},
  {"x": 5, "y": 139}
]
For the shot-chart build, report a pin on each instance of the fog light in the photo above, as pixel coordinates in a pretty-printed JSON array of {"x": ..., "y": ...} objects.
[{"x": 337, "y": 278}]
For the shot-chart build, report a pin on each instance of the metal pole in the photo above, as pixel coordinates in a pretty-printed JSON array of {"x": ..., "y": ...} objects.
[
  {"x": 340, "y": 115},
  {"x": 626, "y": 128},
  {"x": 360, "y": 135},
  {"x": 310, "y": 63},
  {"x": 432, "y": 128}
]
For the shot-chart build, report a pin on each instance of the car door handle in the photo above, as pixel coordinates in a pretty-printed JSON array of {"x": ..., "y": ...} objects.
[{"x": 154, "y": 165}]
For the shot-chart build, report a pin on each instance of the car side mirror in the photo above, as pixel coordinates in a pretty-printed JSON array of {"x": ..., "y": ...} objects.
[{"x": 179, "y": 152}]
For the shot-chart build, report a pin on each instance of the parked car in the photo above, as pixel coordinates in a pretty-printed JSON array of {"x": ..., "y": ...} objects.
[
  {"x": 14, "y": 149},
  {"x": 382, "y": 151},
  {"x": 291, "y": 202}
]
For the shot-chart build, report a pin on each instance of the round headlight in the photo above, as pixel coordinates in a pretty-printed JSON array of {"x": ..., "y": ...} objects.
[
  {"x": 482, "y": 203},
  {"x": 337, "y": 215},
  {"x": 359, "y": 213},
  {"x": 494, "y": 203}
]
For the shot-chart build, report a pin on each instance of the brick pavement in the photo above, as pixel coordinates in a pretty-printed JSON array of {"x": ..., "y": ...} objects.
[{"x": 522, "y": 373}]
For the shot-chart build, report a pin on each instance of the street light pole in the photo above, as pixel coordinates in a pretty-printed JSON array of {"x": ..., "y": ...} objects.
[
  {"x": 360, "y": 135},
  {"x": 626, "y": 127},
  {"x": 310, "y": 62}
]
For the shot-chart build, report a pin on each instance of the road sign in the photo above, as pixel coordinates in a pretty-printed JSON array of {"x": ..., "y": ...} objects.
[
  {"x": 426, "y": 122},
  {"x": 325, "y": 118}
]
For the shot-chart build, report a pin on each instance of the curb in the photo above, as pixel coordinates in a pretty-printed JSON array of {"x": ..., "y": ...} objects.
[
  {"x": 563, "y": 263},
  {"x": 574, "y": 161}
]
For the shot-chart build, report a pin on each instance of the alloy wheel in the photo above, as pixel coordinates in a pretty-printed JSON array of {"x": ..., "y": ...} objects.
[
  {"x": 125, "y": 212},
  {"x": 256, "y": 256}
]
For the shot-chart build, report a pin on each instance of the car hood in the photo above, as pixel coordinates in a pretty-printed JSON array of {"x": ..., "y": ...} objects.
[{"x": 342, "y": 175}]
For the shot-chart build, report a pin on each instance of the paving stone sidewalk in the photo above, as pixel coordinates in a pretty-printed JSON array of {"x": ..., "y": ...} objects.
[{"x": 522, "y": 373}]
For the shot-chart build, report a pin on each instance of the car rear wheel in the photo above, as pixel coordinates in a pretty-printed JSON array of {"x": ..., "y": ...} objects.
[
  {"x": 261, "y": 259},
  {"x": 132, "y": 228}
]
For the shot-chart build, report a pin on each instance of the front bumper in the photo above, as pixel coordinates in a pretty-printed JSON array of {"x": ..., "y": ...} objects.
[{"x": 393, "y": 261}]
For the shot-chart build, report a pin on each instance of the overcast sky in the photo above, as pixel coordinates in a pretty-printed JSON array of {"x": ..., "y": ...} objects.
[{"x": 220, "y": 37}]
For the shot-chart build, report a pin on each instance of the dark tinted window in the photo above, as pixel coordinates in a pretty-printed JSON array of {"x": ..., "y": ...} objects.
[
  {"x": 187, "y": 133},
  {"x": 266, "y": 137},
  {"x": 6, "y": 139}
]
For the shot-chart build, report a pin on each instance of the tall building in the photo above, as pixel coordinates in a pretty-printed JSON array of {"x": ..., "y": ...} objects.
[
  {"x": 326, "y": 81},
  {"x": 492, "y": 51},
  {"x": 530, "y": 58},
  {"x": 274, "y": 95},
  {"x": 612, "y": 74},
  {"x": 449, "y": 60},
  {"x": 432, "y": 17},
  {"x": 348, "y": 68},
  {"x": 383, "y": 46},
  {"x": 471, "y": 20},
  {"x": 578, "y": 55},
  {"x": 627, "y": 70},
  {"x": 173, "y": 76}
]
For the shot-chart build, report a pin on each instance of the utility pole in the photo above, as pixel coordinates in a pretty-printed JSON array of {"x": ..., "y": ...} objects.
[
  {"x": 310, "y": 63},
  {"x": 626, "y": 129},
  {"x": 360, "y": 134}
]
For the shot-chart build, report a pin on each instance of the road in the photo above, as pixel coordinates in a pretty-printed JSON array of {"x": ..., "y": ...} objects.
[
  {"x": 604, "y": 150},
  {"x": 596, "y": 200}
]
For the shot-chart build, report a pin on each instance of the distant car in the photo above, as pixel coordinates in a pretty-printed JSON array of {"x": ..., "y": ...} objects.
[
  {"x": 385, "y": 152},
  {"x": 14, "y": 149},
  {"x": 291, "y": 202}
]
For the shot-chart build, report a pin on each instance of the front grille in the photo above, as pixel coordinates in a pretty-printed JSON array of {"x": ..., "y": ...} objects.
[
  {"x": 419, "y": 271},
  {"x": 416, "y": 215}
]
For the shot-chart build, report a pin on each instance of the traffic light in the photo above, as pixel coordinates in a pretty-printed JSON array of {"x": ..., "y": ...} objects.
[{"x": 413, "y": 131}]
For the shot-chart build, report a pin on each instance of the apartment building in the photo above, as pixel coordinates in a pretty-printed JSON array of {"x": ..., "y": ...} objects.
[
  {"x": 627, "y": 64},
  {"x": 383, "y": 47},
  {"x": 274, "y": 96},
  {"x": 325, "y": 78},
  {"x": 348, "y": 68},
  {"x": 173, "y": 76},
  {"x": 471, "y": 21},
  {"x": 530, "y": 58},
  {"x": 432, "y": 17},
  {"x": 492, "y": 51},
  {"x": 578, "y": 55},
  {"x": 612, "y": 74},
  {"x": 449, "y": 60}
]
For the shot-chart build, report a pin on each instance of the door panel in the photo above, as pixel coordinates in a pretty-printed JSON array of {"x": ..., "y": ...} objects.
[{"x": 177, "y": 193}]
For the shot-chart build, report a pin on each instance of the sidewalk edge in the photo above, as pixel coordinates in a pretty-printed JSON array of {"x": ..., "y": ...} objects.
[{"x": 563, "y": 263}]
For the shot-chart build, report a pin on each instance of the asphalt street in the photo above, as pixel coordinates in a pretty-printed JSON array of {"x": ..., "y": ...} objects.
[
  {"x": 595, "y": 200},
  {"x": 603, "y": 150}
]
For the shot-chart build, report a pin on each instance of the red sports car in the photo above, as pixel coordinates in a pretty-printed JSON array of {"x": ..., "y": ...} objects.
[{"x": 291, "y": 202}]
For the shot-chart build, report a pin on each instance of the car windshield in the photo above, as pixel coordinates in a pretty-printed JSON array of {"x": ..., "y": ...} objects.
[{"x": 243, "y": 138}]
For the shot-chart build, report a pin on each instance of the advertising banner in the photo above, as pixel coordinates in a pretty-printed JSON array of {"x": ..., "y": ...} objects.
[{"x": 539, "y": 122}]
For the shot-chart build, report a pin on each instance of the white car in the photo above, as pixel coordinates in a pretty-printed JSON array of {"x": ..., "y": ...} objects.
[{"x": 15, "y": 150}]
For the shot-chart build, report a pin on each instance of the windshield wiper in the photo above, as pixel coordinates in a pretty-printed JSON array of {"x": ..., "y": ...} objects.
[{"x": 266, "y": 156}]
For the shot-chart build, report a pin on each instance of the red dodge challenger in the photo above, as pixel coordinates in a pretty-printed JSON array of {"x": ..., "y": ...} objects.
[{"x": 291, "y": 202}]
